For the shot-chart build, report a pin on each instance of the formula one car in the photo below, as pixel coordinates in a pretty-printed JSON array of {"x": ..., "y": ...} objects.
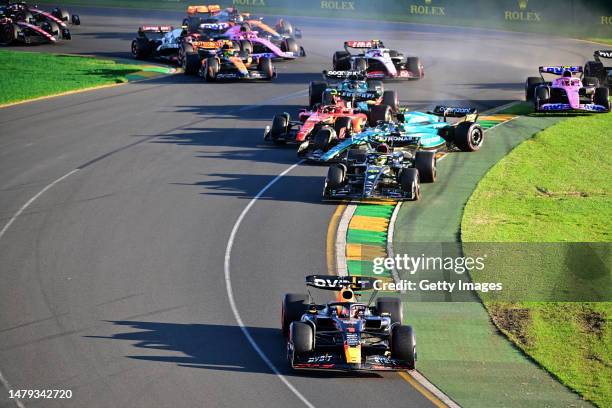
[
  {"x": 21, "y": 11},
  {"x": 157, "y": 42},
  {"x": 317, "y": 129},
  {"x": 346, "y": 334},
  {"x": 13, "y": 29},
  {"x": 597, "y": 69},
  {"x": 375, "y": 175},
  {"x": 225, "y": 62},
  {"x": 378, "y": 61},
  {"x": 567, "y": 93},
  {"x": 255, "y": 36},
  {"x": 353, "y": 91}
]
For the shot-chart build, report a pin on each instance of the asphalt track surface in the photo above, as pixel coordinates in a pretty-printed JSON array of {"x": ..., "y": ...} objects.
[{"x": 113, "y": 280}]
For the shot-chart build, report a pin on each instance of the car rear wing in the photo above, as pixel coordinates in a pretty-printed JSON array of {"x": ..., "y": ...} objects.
[
  {"x": 205, "y": 9},
  {"x": 340, "y": 75},
  {"x": 456, "y": 112},
  {"x": 155, "y": 29},
  {"x": 210, "y": 45},
  {"x": 560, "y": 69},
  {"x": 363, "y": 44},
  {"x": 607, "y": 54},
  {"x": 219, "y": 26},
  {"x": 335, "y": 282}
]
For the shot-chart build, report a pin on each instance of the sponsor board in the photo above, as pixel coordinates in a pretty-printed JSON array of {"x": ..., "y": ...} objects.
[
  {"x": 522, "y": 13},
  {"x": 426, "y": 8},
  {"x": 338, "y": 5}
]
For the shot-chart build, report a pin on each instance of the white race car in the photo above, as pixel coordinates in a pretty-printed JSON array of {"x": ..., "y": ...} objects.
[{"x": 379, "y": 62}]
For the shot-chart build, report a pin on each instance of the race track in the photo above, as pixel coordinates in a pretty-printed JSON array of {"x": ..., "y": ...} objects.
[{"x": 113, "y": 279}]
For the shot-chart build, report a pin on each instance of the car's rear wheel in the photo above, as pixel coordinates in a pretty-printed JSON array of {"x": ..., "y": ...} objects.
[
  {"x": 530, "y": 86},
  {"x": 542, "y": 96},
  {"x": 392, "y": 306},
  {"x": 409, "y": 183},
  {"x": 315, "y": 93},
  {"x": 341, "y": 61},
  {"x": 391, "y": 100},
  {"x": 595, "y": 69},
  {"x": 301, "y": 335},
  {"x": 8, "y": 33},
  {"x": 403, "y": 345},
  {"x": 140, "y": 49},
  {"x": 76, "y": 20},
  {"x": 602, "y": 97},
  {"x": 590, "y": 82},
  {"x": 468, "y": 136},
  {"x": 190, "y": 60},
  {"x": 335, "y": 176},
  {"x": 245, "y": 45},
  {"x": 425, "y": 163},
  {"x": 379, "y": 113},
  {"x": 293, "y": 307},
  {"x": 413, "y": 64},
  {"x": 324, "y": 138},
  {"x": 343, "y": 127}
]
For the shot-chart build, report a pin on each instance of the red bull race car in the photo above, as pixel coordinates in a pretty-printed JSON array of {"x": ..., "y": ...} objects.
[
  {"x": 378, "y": 61},
  {"x": 346, "y": 334}
]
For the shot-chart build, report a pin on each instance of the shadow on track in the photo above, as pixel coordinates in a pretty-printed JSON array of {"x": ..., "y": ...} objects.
[{"x": 210, "y": 346}]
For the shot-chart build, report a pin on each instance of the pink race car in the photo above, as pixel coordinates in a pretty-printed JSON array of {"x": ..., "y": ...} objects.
[{"x": 568, "y": 92}]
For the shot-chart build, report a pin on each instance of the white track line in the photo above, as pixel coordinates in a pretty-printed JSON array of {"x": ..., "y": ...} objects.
[
  {"x": 230, "y": 293},
  {"x": 10, "y": 222}
]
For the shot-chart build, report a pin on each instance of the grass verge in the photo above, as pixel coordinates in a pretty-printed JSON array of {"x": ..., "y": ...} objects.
[
  {"x": 554, "y": 187},
  {"x": 29, "y": 75}
]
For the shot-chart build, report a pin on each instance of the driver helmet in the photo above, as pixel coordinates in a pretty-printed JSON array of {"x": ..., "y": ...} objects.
[
  {"x": 227, "y": 50},
  {"x": 567, "y": 74}
]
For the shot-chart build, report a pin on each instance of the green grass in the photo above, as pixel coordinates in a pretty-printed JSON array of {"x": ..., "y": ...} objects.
[
  {"x": 555, "y": 187},
  {"x": 601, "y": 40},
  {"x": 27, "y": 75}
]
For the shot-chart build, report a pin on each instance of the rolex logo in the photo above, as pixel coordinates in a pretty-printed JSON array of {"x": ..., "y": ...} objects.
[{"x": 523, "y": 4}]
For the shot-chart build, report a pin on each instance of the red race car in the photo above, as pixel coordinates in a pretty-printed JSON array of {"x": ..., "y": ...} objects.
[{"x": 317, "y": 130}]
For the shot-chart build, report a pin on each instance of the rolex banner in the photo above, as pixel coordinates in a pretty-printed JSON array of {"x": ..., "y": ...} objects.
[{"x": 563, "y": 17}]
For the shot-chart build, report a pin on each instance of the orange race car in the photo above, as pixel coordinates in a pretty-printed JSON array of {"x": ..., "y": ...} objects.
[{"x": 222, "y": 60}]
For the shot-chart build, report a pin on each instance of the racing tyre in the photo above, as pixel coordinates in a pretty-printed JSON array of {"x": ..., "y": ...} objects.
[
  {"x": 60, "y": 14},
  {"x": 301, "y": 335},
  {"x": 530, "y": 86},
  {"x": 280, "y": 126},
  {"x": 468, "y": 136},
  {"x": 327, "y": 98},
  {"x": 190, "y": 60},
  {"x": 76, "y": 20},
  {"x": 265, "y": 65},
  {"x": 341, "y": 61},
  {"x": 542, "y": 95},
  {"x": 140, "y": 49},
  {"x": 413, "y": 64},
  {"x": 390, "y": 305},
  {"x": 324, "y": 138},
  {"x": 403, "y": 345},
  {"x": 290, "y": 45},
  {"x": 343, "y": 127},
  {"x": 294, "y": 306},
  {"x": 379, "y": 113},
  {"x": 425, "y": 163},
  {"x": 245, "y": 45},
  {"x": 360, "y": 64},
  {"x": 409, "y": 182},
  {"x": 602, "y": 97},
  {"x": 391, "y": 100},
  {"x": 8, "y": 33},
  {"x": 595, "y": 69},
  {"x": 315, "y": 93},
  {"x": 52, "y": 28},
  {"x": 335, "y": 176},
  {"x": 211, "y": 69},
  {"x": 590, "y": 82}
]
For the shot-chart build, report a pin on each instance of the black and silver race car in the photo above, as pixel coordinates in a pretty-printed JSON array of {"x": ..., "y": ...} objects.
[
  {"x": 597, "y": 68},
  {"x": 379, "y": 174},
  {"x": 157, "y": 42},
  {"x": 347, "y": 334}
]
